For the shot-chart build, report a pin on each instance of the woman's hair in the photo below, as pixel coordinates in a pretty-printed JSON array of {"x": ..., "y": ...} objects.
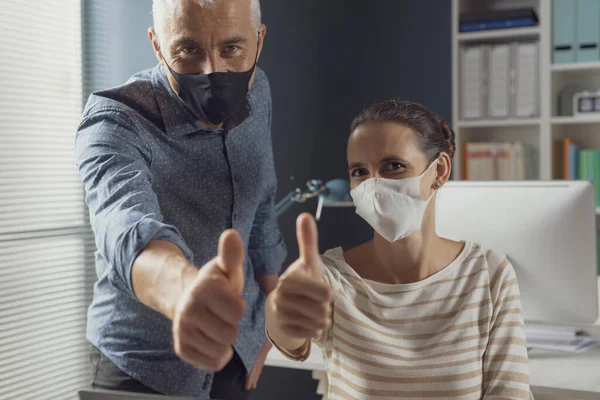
[{"x": 433, "y": 134}]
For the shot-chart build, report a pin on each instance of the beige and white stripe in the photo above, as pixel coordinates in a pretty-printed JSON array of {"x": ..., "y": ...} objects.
[{"x": 457, "y": 334}]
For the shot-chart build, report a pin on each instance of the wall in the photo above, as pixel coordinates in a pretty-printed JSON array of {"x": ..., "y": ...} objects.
[
  {"x": 326, "y": 60},
  {"x": 116, "y": 45}
]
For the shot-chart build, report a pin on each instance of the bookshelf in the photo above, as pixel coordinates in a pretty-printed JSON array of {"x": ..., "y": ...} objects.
[
  {"x": 515, "y": 33},
  {"x": 492, "y": 123},
  {"x": 549, "y": 125},
  {"x": 568, "y": 120},
  {"x": 536, "y": 132},
  {"x": 576, "y": 67}
]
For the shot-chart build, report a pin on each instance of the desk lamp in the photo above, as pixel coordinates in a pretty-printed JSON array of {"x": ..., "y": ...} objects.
[{"x": 334, "y": 193}]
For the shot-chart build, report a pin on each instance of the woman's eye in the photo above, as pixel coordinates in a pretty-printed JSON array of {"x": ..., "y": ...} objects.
[
  {"x": 394, "y": 166},
  {"x": 358, "y": 173}
]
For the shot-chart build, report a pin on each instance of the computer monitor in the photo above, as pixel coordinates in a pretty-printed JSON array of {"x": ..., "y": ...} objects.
[{"x": 547, "y": 230}]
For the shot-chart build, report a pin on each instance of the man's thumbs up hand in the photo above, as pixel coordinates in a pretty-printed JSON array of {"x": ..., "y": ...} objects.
[
  {"x": 230, "y": 259},
  {"x": 205, "y": 322},
  {"x": 301, "y": 301}
]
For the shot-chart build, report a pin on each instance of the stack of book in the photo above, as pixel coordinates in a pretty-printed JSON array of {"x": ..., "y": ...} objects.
[
  {"x": 498, "y": 19},
  {"x": 573, "y": 162},
  {"x": 485, "y": 161}
]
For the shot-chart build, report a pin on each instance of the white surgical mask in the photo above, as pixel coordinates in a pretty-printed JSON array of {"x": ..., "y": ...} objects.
[{"x": 393, "y": 207}]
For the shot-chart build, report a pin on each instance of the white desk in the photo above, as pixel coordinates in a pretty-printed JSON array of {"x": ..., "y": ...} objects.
[{"x": 554, "y": 375}]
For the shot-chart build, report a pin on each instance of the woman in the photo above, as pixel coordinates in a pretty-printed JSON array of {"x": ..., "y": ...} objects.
[{"x": 408, "y": 314}]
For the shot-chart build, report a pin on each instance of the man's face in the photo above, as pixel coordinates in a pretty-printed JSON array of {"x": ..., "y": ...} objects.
[{"x": 196, "y": 40}]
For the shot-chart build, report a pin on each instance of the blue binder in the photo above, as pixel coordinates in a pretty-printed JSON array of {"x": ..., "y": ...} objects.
[
  {"x": 563, "y": 31},
  {"x": 588, "y": 30},
  {"x": 573, "y": 161},
  {"x": 499, "y": 24}
]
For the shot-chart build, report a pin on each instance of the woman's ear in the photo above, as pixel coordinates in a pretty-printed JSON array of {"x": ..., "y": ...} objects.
[{"x": 444, "y": 168}]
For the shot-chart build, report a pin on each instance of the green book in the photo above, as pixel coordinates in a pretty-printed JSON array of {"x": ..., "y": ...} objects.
[
  {"x": 598, "y": 249},
  {"x": 596, "y": 171},
  {"x": 582, "y": 168}
]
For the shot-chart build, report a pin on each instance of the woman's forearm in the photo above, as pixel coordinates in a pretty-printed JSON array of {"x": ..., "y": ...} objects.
[{"x": 278, "y": 337}]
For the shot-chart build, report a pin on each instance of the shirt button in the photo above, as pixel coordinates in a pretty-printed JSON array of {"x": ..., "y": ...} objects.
[
  {"x": 235, "y": 217},
  {"x": 207, "y": 380}
]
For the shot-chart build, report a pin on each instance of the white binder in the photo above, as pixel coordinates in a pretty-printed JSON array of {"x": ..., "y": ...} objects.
[
  {"x": 526, "y": 82},
  {"x": 473, "y": 81},
  {"x": 499, "y": 81}
]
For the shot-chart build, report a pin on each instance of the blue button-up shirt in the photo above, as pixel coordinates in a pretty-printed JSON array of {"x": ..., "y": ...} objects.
[{"x": 153, "y": 171}]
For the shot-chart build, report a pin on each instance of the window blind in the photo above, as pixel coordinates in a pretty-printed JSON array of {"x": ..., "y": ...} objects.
[{"x": 46, "y": 250}]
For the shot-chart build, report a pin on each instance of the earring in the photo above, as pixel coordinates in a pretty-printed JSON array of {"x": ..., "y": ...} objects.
[{"x": 436, "y": 185}]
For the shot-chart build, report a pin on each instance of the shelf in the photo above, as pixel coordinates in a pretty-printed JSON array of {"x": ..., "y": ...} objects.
[
  {"x": 496, "y": 123},
  {"x": 569, "y": 120},
  {"x": 576, "y": 67},
  {"x": 499, "y": 34}
]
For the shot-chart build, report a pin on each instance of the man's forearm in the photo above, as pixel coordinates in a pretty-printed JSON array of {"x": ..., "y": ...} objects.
[{"x": 160, "y": 275}]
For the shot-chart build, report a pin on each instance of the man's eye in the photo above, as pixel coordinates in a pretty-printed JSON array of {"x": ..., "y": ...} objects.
[
  {"x": 190, "y": 50},
  {"x": 230, "y": 49}
]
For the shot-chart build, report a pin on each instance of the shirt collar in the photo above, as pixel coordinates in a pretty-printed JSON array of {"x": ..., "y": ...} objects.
[{"x": 178, "y": 120}]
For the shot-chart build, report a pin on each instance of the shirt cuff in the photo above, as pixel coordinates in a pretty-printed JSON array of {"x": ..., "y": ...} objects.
[
  {"x": 300, "y": 354},
  {"x": 136, "y": 241},
  {"x": 268, "y": 260}
]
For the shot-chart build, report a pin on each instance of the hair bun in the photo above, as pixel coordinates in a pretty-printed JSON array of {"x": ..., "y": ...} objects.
[{"x": 448, "y": 135}]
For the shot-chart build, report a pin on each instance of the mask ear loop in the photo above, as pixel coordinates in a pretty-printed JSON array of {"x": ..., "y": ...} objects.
[{"x": 436, "y": 185}]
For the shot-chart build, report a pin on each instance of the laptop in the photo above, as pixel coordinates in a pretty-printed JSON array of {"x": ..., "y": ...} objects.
[{"x": 114, "y": 395}]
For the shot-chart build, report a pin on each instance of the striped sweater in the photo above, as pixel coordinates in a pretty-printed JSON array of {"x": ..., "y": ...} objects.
[{"x": 457, "y": 334}]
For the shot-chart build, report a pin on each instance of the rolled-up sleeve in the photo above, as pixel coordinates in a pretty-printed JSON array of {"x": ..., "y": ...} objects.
[
  {"x": 114, "y": 163},
  {"x": 266, "y": 247}
]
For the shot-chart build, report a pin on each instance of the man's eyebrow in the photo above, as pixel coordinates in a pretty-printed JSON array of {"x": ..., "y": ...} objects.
[
  {"x": 354, "y": 165},
  {"x": 233, "y": 40},
  {"x": 186, "y": 41}
]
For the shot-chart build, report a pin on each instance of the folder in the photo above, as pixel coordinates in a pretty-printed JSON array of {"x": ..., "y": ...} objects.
[
  {"x": 563, "y": 31},
  {"x": 573, "y": 155},
  {"x": 559, "y": 169},
  {"x": 521, "y": 171},
  {"x": 597, "y": 177},
  {"x": 525, "y": 85},
  {"x": 473, "y": 72},
  {"x": 582, "y": 167},
  {"x": 499, "y": 81},
  {"x": 588, "y": 30}
]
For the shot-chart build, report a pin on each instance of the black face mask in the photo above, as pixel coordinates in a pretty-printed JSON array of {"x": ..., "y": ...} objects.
[{"x": 214, "y": 97}]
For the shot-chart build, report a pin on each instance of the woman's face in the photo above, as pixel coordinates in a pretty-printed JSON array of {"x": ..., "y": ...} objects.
[{"x": 387, "y": 150}]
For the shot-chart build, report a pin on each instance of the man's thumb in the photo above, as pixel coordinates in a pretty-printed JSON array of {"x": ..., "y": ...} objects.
[
  {"x": 308, "y": 242},
  {"x": 231, "y": 258}
]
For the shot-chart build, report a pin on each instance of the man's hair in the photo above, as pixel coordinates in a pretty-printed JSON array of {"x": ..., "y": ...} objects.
[{"x": 255, "y": 13}]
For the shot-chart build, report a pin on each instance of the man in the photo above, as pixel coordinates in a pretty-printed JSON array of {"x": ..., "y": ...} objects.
[{"x": 170, "y": 160}]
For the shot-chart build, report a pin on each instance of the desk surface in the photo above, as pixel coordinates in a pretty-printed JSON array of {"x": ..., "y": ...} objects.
[{"x": 548, "y": 369}]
